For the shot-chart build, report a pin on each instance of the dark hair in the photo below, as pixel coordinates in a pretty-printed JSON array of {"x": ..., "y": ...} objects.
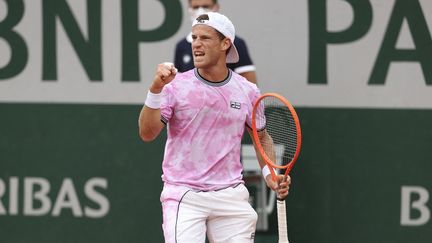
[{"x": 221, "y": 36}]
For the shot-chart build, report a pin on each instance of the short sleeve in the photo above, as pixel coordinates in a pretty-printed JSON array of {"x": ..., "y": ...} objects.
[
  {"x": 260, "y": 118},
  {"x": 254, "y": 94},
  {"x": 166, "y": 104}
]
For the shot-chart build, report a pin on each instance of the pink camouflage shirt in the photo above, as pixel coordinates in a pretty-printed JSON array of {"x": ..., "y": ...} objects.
[{"x": 205, "y": 124}]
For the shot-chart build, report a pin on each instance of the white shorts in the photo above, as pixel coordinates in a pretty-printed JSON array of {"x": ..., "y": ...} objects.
[{"x": 224, "y": 215}]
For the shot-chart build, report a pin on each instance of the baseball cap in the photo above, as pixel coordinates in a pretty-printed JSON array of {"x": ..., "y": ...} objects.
[{"x": 222, "y": 24}]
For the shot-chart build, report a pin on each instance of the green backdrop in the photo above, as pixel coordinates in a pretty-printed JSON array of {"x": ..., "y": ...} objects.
[{"x": 346, "y": 184}]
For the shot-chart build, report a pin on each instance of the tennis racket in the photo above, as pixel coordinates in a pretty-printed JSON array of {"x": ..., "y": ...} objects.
[{"x": 277, "y": 136}]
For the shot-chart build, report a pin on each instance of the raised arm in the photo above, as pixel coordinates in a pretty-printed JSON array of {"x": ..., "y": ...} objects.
[{"x": 149, "y": 121}]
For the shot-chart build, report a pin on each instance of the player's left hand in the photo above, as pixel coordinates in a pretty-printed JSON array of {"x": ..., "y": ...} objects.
[{"x": 281, "y": 186}]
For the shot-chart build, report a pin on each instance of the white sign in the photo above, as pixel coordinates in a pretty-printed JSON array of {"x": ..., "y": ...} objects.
[{"x": 334, "y": 53}]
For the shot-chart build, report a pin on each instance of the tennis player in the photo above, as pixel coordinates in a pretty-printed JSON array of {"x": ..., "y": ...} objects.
[{"x": 206, "y": 111}]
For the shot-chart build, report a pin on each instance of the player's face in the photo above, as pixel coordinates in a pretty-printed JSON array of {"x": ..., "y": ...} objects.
[{"x": 207, "y": 46}]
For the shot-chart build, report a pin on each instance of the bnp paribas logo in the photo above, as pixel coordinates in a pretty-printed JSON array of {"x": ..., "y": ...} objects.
[{"x": 235, "y": 105}]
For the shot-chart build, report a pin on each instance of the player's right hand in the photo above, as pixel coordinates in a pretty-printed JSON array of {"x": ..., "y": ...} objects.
[{"x": 165, "y": 73}]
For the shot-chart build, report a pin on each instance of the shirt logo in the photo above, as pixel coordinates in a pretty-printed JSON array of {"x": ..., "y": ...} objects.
[{"x": 235, "y": 105}]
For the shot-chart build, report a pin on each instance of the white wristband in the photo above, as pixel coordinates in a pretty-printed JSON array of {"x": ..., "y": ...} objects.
[
  {"x": 153, "y": 100},
  {"x": 266, "y": 171}
]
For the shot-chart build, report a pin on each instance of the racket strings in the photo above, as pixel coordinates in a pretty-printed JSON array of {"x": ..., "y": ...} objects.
[{"x": 280, "y": 125}]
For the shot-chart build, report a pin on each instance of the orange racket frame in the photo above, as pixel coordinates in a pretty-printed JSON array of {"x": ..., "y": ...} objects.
[{"x": 258, "y": 145}]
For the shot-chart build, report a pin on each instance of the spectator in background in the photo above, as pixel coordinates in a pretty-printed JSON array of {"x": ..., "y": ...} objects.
[{"x": 183, "y": 60}]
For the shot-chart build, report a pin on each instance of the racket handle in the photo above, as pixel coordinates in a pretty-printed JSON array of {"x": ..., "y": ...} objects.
[{"x": 282, "y": 221}]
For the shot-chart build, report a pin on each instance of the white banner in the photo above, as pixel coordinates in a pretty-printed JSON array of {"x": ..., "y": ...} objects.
[{"x": 374, "y": 54}]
